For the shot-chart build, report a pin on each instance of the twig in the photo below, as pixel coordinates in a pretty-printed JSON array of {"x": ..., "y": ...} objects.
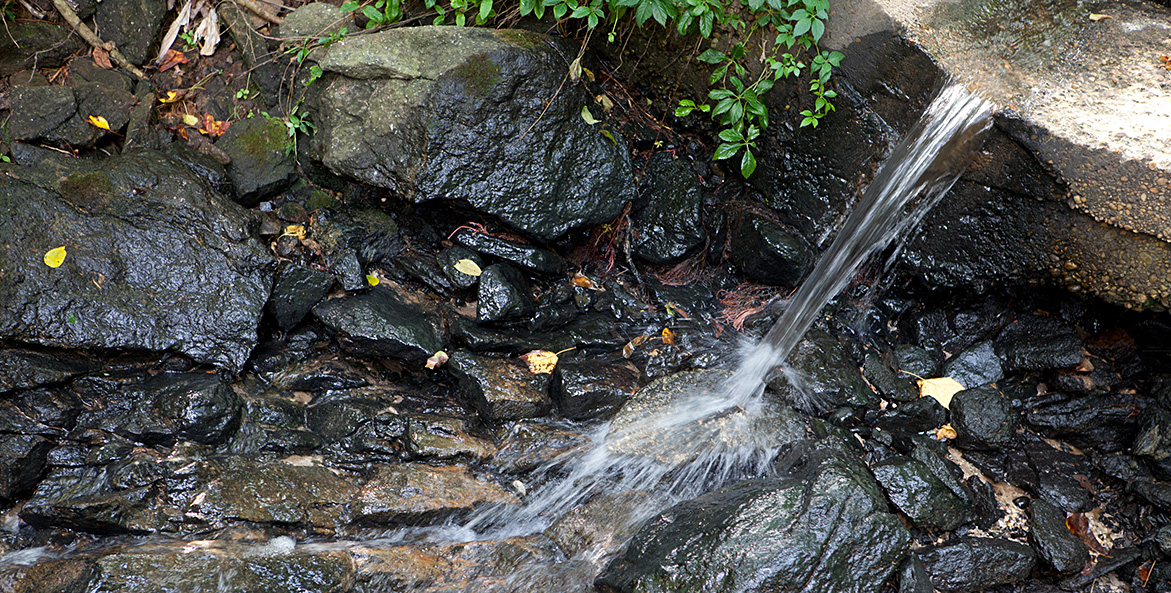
[
  {"x": 255, "y": 8},
  {"x": 88, "y": 35},
  {"x": 32, "y": 10}
]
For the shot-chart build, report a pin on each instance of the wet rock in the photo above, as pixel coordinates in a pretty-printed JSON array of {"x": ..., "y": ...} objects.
[
  {"x": 1162, "y": 538},
  {"x": 825, "y": 529},
  {"x": 767, "y": 251},
  {"x": 528, "y": 445},
  {"x": 592, "y": 389},
  {"x": 933, "y": 454},
  {"x": 591, "y": 329},
  {"x": 601, "y": 524},
  {"x": 887, "y": 381},
  {"x": 1118, "y": 559},
  {"x": 335, "y": 416},
  {"x": 240, "y": 489},
  {"x": 977, "y": 365},
  {"x": 670, "y": 226},
  {"x": 104, "y": 97},
  {"x": 35, "y": 43},
  {"x": 913, "y": 417},
  {"x": 1036, "y": 343},
  {"x": 487, "y": 566},
  {"x": 829, "y": 375},
  {"x": 439, "y": 437},
  {"x": 527, "y": 256},
  {"x": 296, "y": 291},
  {"x": 973, "y": 564},
  {"x": 915, "y": 359},
  {"x": 264, "y": 70},
  {"x": 326, "y": 373},
  {"x": 418, "y": 493},
  {"x": 453, "y": 106},
  {"x": 161, "y": 409},
  {"x": 262, "y": 163},
  {"x": 58, "y": 408},
  {"x": 983, "y": 418},
  {"x": 504, "y": 295},
  {"x": 1052, "y": 539},
  {"x": 637, "y": 430},
  {"x": 166, "y": 264},
  {"x": 1108, "y": 424},
  {"x": 119, "y": 498},
  {"x": 501, "y": 388},
  {"x": 379, "y": 322},
  {"x": 449, "y": 257},
  {"x": 74, "y": 574},
  {"x": 915, "y": 490},
  {"x": 200, "y": 165},
  {"x": 913, "y": 577},
  {"x": 25, "y": 369},
  {"x": 425, "y": 269},
  {"x": 1038, "y": 467},
  {"x": 22, "y": 463},
  {"x": 38, "y": 110},
  {"x": 131, "y": 25},
  {"x": 315, "y": 20}
]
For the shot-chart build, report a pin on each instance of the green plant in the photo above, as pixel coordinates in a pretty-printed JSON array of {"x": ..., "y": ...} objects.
[
  {"x": 381, "y": 12},
  {"x": 188, "y": 37},
  {"x": 296, "y": 122}
]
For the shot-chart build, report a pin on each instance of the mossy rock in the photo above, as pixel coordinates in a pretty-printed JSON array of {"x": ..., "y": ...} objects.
[{"x": 263, "y": 163}]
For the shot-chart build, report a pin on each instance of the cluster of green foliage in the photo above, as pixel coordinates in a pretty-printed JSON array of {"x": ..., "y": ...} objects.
[{"x": 786, "y": 31}]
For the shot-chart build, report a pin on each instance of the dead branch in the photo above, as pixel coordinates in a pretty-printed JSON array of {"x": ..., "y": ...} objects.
[
  {"x": 90, "y": 37},
  {"x": 255, "y": 8}
]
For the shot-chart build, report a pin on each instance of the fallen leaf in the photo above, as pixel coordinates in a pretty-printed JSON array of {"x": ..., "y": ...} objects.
[
  {"x": 371, "y": 280},
  {"x": 628, "y": 349},
  {"x": 171, "y": 97},
  {"x": 941, "y": 388},
  {"x": 171, "y": 59},
  {"x": 102, "y": 58},
  {"x": 212, "y": 127},
  {"x": 582, "y": 281},
  {"x": 99, "y": 122},
  {"x": 575, "y": 70},
  {"x": 588, "y": 74},
  {"x": 54, "y": 257},
  {"x": 587, "y": 116},
  {"x": 469, "y": 267},
  {"x": 190, "y": 120},
  {"x": 1079, "y": 525},
  {"x": 1166, "y": 61},
  {"x": 668, "y": 336},
  {"x": 945, "y": 432},
  {"x": 540, "y": 361},
  {"x": 437, "y": 360},
  {"x": 1097, "y": 17},
  {"x": 605, "y": 102},
  {"x": 295, "y": 230}
]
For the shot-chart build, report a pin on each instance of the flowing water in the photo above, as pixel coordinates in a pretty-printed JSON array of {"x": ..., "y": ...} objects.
[{"x": 722, "y": 427}]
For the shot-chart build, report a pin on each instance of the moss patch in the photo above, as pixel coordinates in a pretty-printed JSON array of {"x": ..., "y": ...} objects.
[
  {"x": 319, "y": 200},
  {"x": 520, "y": 38},
  {"x": 85, "y": 189},
  {"x": 478, "y": 73},
  {"x": 260, "y": 140}
]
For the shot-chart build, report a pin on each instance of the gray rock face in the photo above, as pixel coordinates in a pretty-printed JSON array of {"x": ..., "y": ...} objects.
[
  {"x": 825, "y": 530},
  {"x": 155, "y": 260},
  {"x": 974, "y": 564},
  {"x": 459, "y": 114},
  {"x": 380, "y": 323},
  {"x": 32, "y": 42},
  {"x": 917, "y": 492},
  {"x": 670, "y": 226},
  {"x": 131, "y": 24}
]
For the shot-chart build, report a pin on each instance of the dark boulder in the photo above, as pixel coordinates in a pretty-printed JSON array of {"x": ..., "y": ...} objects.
[
  {"x": 417, "y": 493},
  {"x": 380, "y": 322},
  {"x": 262, "y": 163},
  {"x": 975, "y": 366},
  {"x": 35, "y": 43},
  {"x": 22, "y": 464},
  {"x": 504, "y": 295},
  {"x": 534, "y": 258},
  {"x": 296, "y": 290},
  {"x": 593, "y": 389},
  {"x": 447, "y": 260},
  {"x": 767, "y": 251},
  {"x": 463, "y": 115},
  {"x": 1052, "y": 539},
  {"x": 1036, "y": 343},
  {"x": 670, "y": 226},
  {"x": 501, "y": 388},
  {"x": 155, "y": 260},
  {"x": 920, "y": 495},
  {"x": 131, "y": 25},
  {"x": 974, "y": 564},
  {"x": 161, "y": 409},
  {"x": 826, "y": 529},
  {"x": 983, "y": 418},
  {"x": 25, "y": 369}
]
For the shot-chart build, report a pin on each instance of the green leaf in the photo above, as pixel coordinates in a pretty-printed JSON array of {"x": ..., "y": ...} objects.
[
  {"x": 349, "y": 6},
  {"x": 726, "y": 151},
  {"x": 706, "y": 23},
  {"x": 747, "y": 164},
  {"x": 755, "y": 5},
  {"x": 720, "y": 94},
  {"x": 643, "y": 12},
  {"x": 593, "y": 20},
  {"x": 731, "y": 135},
  {"x": 587, "y": 116},
  {"x": 485, "y": 10},
  {"x": 818, "y": 29},
  {"x": 460, "y": 19},
  {"x": 580, "y": 12},
  {"x": 801, "y": 27},
  {"x": 712, "y": 56},
  {"x": 683, "y": 110}
]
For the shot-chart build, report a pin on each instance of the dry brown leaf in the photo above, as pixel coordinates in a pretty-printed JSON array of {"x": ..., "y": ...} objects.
[
  {"x": 945, "y": 432},
  {"x": 540, "y": 361},
  {"x": 469, "y": 267},
  {"x": 102, "y": 58},
  {"x": 582, "y": 281},
  {"x": 628, "y": 349},
  {"x": 171, "y": 59},
  {"x": 437, "y": 360},
  {"x": 940, "y": 388}
]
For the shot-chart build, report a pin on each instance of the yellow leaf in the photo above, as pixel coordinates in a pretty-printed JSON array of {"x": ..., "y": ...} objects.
[
  {"x": 945, "y": 432},
  {"x": 99, "y": 122},
  {"x": 582, "y": 281},
  {"x": 540, "y": 361},
  {"x": 371, "y": 280},
  {"x": 190, "y": 120},
  {"x": 171, "y": 97},
  {"x": 468, "y": 267},
  {"x": 295, "y": 230},
  {"x": 54, "y": 257},
  {"x": 668, "y": 336},
  {"x": 605, "y": 102},
  {"x": 941, "y": 389},
  {"x": 1097, "y": 17},
  {"x": 437, "y": 360}
]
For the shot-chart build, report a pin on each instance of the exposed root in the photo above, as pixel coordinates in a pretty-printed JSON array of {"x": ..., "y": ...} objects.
[{"x": 744, "y": 301}]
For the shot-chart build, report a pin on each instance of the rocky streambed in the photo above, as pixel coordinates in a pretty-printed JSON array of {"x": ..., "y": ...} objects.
[{"x": 268, "y": 365}]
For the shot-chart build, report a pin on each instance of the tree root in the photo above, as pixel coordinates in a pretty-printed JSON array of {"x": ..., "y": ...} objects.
[{"x": 92, "y": 38}]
